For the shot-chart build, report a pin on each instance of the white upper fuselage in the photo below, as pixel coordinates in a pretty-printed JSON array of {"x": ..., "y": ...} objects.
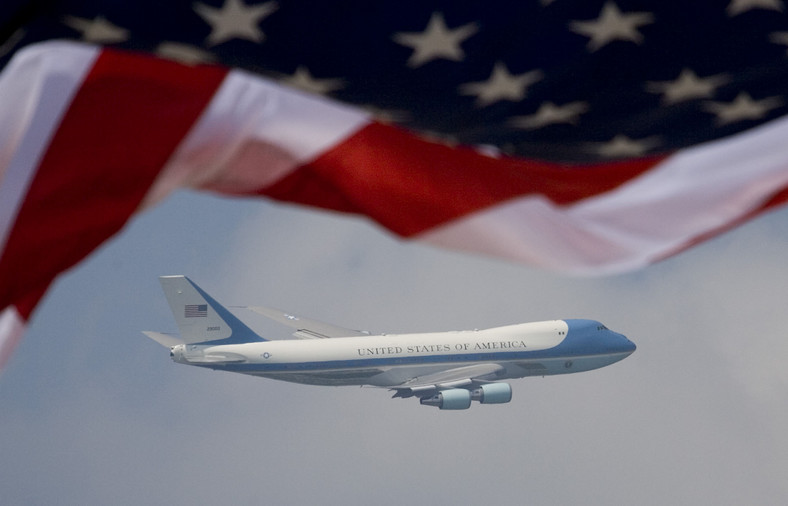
[{"x": 527, "y": 349}]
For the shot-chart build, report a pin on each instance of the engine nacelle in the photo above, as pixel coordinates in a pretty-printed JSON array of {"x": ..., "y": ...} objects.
[
  {"x": 493, "y": 393},
  {"x": 454, "y": 398}
]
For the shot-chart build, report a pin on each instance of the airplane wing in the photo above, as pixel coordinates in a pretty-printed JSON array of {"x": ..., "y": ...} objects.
[
  {"x": 459, "y": 377},
  {"x": 305, "y": 327}
]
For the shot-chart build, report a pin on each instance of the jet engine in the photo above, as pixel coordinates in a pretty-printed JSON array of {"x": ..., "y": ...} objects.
[
  {"x": 454, "y": 398},
  {"x": 492, "y": 393}
]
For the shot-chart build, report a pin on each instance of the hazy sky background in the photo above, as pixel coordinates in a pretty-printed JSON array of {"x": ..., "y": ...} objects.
[{"x": 93, "y": 412}]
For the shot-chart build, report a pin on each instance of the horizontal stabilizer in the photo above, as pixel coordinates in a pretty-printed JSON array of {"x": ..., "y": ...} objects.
[
  {"x": 166, "y": 340},
  {"x": 305, "y": 328}
]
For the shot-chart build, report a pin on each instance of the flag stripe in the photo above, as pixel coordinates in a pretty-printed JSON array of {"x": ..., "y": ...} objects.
[
  {"x": 779, "y": 199},
  {"x": 254, "y": 132},
  {"x": 107, "y": 151},
  {"x": 35, "y": 90},
  {"x": 411, "y": 185},
  {"x": 694, "y": 194}
]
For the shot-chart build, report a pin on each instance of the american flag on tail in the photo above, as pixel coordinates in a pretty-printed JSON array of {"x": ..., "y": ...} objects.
[
  {"x": 195, "y": 310},
  {"x": 587, "y": 137}
]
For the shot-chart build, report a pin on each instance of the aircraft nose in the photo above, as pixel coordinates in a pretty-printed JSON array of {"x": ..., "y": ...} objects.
[
  {"x": 599, "y": 338},
  {"x": 622, "y": 344}
]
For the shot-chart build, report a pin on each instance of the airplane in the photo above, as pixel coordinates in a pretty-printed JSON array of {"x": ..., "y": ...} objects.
[{"x": 447, "y": 370}]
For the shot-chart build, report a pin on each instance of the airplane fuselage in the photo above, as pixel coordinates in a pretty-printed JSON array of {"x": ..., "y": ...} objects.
[
  {"x": 514, "y": 351},
  {"x": 447, "y": 370}
]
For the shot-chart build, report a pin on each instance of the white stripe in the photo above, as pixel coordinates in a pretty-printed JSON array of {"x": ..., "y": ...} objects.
[
  {"x": 253, "y": 133},
  {"x": 36, "y": 87},
  {"x": 696, "y": 191},
  {"x": 12, "y": 326}
]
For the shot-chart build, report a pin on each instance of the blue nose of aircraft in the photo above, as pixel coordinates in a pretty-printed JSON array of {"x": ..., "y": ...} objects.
[
  {"x": 620, "y": 343},
  {"x": 594, "y": 337}
]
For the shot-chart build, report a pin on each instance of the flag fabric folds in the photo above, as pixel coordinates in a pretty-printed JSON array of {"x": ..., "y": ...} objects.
[{"x": 583, "y": 137}]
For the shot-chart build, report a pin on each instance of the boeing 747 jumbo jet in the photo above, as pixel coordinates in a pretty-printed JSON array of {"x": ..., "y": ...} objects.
[{"x": 443, "y": 369}]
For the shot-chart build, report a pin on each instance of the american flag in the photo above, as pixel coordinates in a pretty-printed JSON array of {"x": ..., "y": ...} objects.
[
  {"x": 195, "y": 310},
  {"x": 589, "y": 137},
  {"x": 561, "y": 80}
]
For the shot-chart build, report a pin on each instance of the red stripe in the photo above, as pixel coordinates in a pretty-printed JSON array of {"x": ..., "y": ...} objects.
[
  {"x": 122, "y": 126},
  {"x": 410, "y": 185}
]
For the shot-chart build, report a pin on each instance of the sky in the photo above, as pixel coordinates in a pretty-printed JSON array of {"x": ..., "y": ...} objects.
[{"x": 93, "y": 412}]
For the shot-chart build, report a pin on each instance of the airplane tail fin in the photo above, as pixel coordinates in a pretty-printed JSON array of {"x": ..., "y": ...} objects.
[{"x": 200, "y": 318}]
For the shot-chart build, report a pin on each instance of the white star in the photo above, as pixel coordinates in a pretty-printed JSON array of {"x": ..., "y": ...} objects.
[
  {"x": 622, "y": 146},
  {"x": 779, "y": 38},
  {"x": 612, "y": 25},
  {"x": 550, "y": 114},
  {"x": 97, "y": 30},
  {"x": 437, "y": 41},
  {"x": 687, "y": 86},
  {"x": 184, "y": 53},
  {"x": 235, "y": 20},
  {"x": 742, "y": 108},
  {"x": 303, "y": 80},
  {"x": 737, "y": 7},
  {"x": 501, "y": 86}
]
